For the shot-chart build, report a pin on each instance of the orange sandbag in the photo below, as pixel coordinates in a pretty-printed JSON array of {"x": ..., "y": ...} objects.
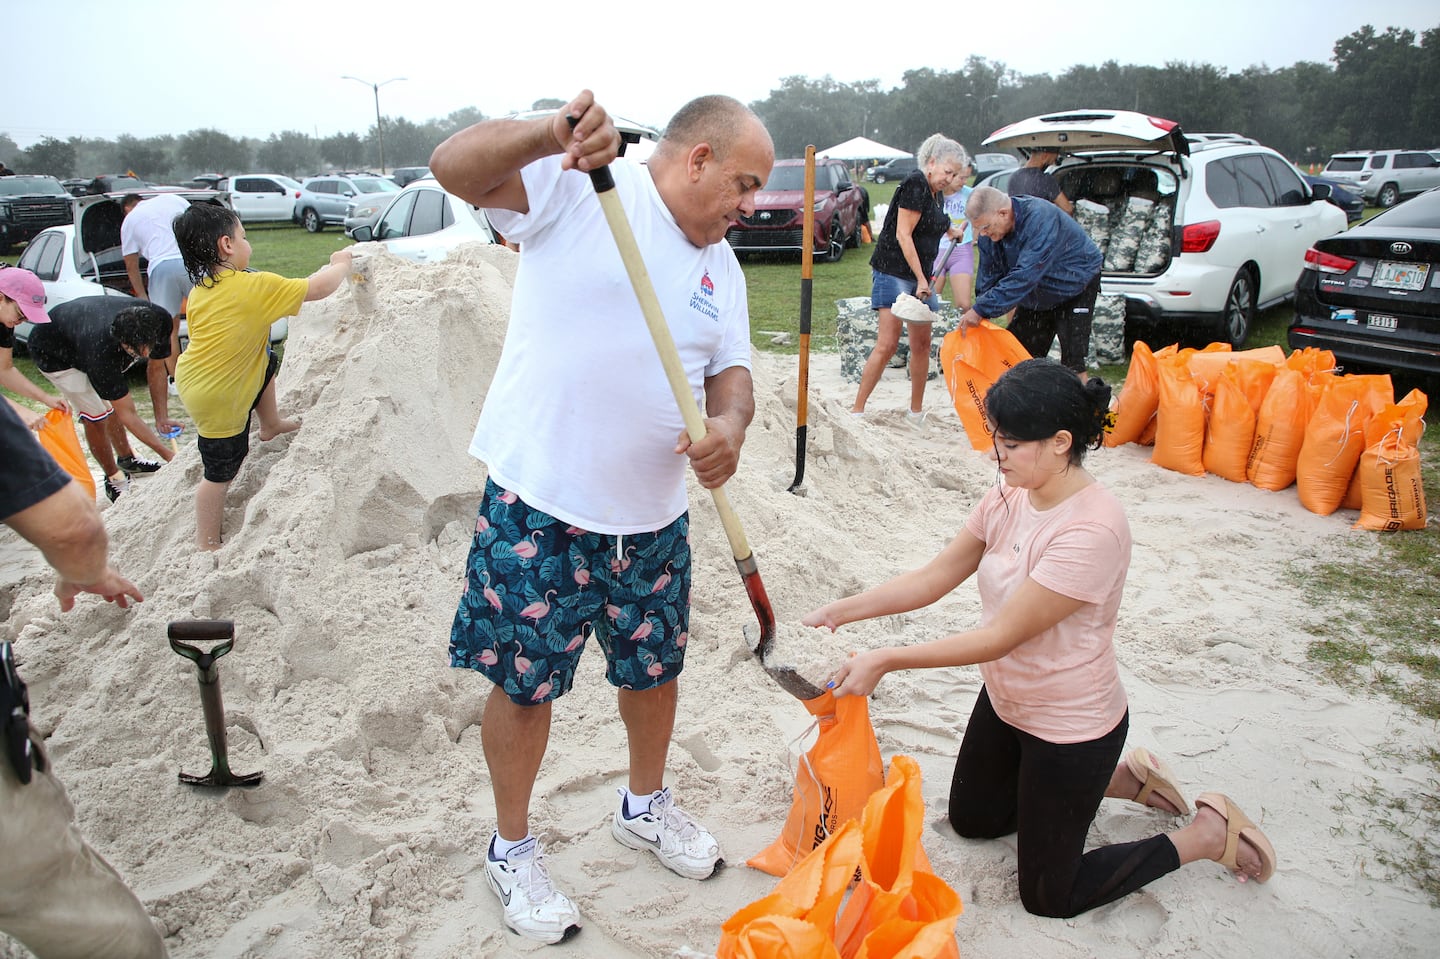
[
  {"x": 1392, "y": 493},
  {"x": 811, "y": 893},
  {"x": 1279, "y": 431},
  {"x": 896, "y": 881},
  {"x": 1408, "y": 415},
  {"x": 1311, "y": 361},
  {"x": 780, "y": 937},
  {"x": 1230, "y": 428},
  {"x": 1139, "y": 396},
  {"x": 1180, "y": 430},
  {"x": 972, "y": 362},
  {"x": 1335, "y": 438},
  {"x": 59, "y": 439},
  {"x": 1208, "y": 365},
  {"x": 836, "y": 778}
]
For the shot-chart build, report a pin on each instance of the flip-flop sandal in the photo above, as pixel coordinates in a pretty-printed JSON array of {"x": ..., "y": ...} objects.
[
  {"x": 1239, "y": 826},
  {"x": 1155, "y": 777}
]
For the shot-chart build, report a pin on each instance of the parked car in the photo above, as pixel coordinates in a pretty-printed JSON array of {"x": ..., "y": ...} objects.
[
  {"x": 325, "y": 200},
  {"x": 1239, "y": 217},
  {"x": 777, "y": 224},
  {"x": 84, "y": 259},
  {"x": 989, "y": 164},
  {"x": 366, "y": 209},
  {"x": 405, "y": 175},
  {"x": 262, "y": 197},
  {"x": 206, "y": 181},
  {"x": 1370, "y": 294},
  {"x": 29, "y": 204},
  {"x": 896, "y": 169},
  {"x": 637, "y": 141},
  {"x": 423, "y": 222},
  {"x": 125, "y": 183},
  {"x": 75, "y": 186},
  {"x": 1342, "y": 194},
  {"x": 1385, "y": 177}
]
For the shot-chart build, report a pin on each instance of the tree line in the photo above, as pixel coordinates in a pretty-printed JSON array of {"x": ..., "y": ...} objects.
[{"x": 1380, "y": 90}]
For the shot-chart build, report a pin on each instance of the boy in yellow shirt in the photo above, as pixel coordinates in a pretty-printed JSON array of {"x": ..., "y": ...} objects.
[{"x": 228, "y": 369}]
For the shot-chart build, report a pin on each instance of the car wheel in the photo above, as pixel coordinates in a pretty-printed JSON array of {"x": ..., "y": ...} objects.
[
  {"x": 835, "y": 249},
  {"x": 879, "y": 178},
  {"x": 1389, "y": 195},
  {"x": 312, "y": 221},
  {"x": 1239, "y": 313},
  {"x": 853, "y": 240}
]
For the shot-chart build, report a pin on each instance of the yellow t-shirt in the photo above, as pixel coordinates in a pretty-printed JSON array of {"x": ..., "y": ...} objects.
[{"x": 220, "y": 373}]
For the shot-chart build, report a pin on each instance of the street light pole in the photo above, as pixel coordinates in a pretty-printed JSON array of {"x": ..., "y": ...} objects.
[
  {"x": 980, "y": 108},
  {"x": 379, "y": 125}
]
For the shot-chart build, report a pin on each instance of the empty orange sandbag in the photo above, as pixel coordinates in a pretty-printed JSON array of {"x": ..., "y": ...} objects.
[
  {"x": 1230, "y": 427},
  {"x": 1180, "y": 430},
  {"x": 836, "y": 777},
  {"x": 972, "y": 361},
  {"x": 1335, "y": 438},
  {"x": 1139, "y": 395},
  {"x": 896, "y": 881},
  {"x": 780, "y": 937},
  {"x": 812, "y": 892},
  {"x": 59, "y": 439},
  {"x": 1392, "y": 493},
  {"x": 1279, "y": 431}
]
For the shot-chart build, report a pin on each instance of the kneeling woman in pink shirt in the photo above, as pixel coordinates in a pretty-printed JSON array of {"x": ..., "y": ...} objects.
[{"x": 1049, "y": 548}]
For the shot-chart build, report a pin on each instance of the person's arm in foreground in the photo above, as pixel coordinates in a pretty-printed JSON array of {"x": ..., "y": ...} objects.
[
  {"x": 482, "y": 163},
  {"x": 729, "y": 408},
  {"x": 16, "y": 382},
  {"x": 68, "y": 530},
  {"x": 29, "y": 417},
  {"x": 1029, "y": 611},
  {"x": 132, "y": 270},
  {"x": 328, "y": 278}
]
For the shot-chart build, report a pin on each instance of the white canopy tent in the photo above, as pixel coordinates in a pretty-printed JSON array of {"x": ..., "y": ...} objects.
[{"x": 861, "y": 148}]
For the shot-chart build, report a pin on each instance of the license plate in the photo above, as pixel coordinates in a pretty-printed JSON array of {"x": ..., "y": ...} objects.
[
  {"x": 1394, "y": 275},
  {"x": 1378, "y": 321}
]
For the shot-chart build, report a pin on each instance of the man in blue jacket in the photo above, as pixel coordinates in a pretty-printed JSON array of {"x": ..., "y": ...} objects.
[{"x": 1035, "y": 260}]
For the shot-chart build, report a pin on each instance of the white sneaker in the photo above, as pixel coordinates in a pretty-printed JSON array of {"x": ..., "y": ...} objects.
[
  {"x": 916, "y": 420},
  {"x": 682, "y": 844},
  {"x": 172, "y": 388},
  {"x": 534, "y": 908}
]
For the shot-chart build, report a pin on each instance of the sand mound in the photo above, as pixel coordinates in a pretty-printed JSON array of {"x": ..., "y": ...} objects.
[{"x": 343, "y": 561}]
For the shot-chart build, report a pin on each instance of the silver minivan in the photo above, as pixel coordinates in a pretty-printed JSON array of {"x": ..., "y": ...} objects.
[{"x": 1385, "y": 177}]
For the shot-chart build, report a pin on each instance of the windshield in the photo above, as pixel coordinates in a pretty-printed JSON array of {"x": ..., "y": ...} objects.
[
  {"x": 374, "y": 185},
  {"x": 786, "y": 178},
  {"x": 288, "y": 183},
  {"x": 20, "y": 185}
]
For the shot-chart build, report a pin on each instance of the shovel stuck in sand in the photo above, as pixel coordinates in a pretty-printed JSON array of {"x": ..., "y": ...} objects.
[
  {"x": 759, "y": 642},
  {"x": 205, "y": 661}
]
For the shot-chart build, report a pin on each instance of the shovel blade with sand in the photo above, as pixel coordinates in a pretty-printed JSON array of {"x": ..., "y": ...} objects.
[{"x": 759, "y": 641}]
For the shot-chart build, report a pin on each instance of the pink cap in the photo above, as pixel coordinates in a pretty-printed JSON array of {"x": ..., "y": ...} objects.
[{"x": 24, "y": 288}]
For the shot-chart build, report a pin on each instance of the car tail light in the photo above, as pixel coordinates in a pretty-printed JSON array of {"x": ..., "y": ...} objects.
[
  {"x": 1199, "y": 237},
  {"x": 1327, "y": 262}
]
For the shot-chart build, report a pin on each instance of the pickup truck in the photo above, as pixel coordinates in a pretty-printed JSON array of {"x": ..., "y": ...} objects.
[{"x": 29, "y": 204}]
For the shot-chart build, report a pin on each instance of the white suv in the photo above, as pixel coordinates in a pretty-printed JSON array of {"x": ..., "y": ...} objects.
[
  {"x": 1386, "y": 177},
  {"x": 1196, "y": 235}
]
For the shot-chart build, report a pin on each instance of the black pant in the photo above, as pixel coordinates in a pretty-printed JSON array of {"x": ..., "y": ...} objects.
[
  {"x": 1036, "y": 329},
  {"x": 1008, "y": 781}
]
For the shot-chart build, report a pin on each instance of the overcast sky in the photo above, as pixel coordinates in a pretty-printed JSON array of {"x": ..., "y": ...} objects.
[{"x": 256, "y": 67}]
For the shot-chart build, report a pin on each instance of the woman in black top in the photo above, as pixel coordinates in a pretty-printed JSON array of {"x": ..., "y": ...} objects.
[{"x": 908, "y": 243}]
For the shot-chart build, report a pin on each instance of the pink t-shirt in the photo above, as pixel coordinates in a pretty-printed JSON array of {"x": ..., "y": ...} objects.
[{"x": 1063, "y": 685}]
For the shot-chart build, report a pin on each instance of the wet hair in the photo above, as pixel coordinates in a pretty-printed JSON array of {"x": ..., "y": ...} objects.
[
  {"x": 939, "y": 148},
  {"x": 984, "y": 200},
  {"x": 129, "y": 200},
  {"x": 142, "y": 325},
  {"x": 714, "y": 119},
  {"x": 1036, "y": 399},
  {"x": 198, "y": 232}
]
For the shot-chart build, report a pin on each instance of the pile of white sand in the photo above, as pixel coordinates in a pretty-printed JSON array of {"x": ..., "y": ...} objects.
[{"x": 343, "y": 561}]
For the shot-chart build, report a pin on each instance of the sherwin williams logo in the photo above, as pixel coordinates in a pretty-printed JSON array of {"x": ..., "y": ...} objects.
[{"x": 703, "y": 300}]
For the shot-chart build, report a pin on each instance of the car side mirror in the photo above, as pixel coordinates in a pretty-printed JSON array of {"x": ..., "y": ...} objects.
[
  {"x": 347, "y": 192},
  {"x": 363, "y": 234},
  {"x": 1320, "y": 191}
]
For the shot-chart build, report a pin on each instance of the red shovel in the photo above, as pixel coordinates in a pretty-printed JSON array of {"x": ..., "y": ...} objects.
[{"x": 789, "y": 680}]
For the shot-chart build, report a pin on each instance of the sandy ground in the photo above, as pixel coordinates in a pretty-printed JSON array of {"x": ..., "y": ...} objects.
[{"x": 345, "y": 545}]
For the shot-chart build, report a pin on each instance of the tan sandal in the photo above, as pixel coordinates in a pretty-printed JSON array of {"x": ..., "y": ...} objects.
[
  {"x": 1239, "y": 826},
  {"x": 1155, "y": 777}
]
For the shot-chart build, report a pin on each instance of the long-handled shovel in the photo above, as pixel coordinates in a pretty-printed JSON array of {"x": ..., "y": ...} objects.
[
  {"x": 807, "y": 267},
  {"x": 789, "y": 680},
  {"x": 206, "y": 630}
]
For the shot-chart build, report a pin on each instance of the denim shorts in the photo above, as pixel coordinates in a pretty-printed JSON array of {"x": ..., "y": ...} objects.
[
  {"x": 537, "y": 588},
  {"x": 885, "y": 289}
]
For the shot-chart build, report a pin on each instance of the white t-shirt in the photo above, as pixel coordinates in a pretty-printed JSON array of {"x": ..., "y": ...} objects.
[
  {"x": 1062, "y": 685},
  {"x": 148, "y": 228},
  {"x": 580, "y": 421}
]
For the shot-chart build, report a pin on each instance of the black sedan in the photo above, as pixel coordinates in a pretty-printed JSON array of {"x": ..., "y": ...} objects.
[{"x": 1371, "y": 295}]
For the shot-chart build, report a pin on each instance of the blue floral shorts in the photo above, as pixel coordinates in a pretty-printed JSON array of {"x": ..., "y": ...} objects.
[{"x": 537, "y": 588}]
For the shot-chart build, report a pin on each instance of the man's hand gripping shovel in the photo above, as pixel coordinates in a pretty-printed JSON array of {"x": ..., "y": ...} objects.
[{"x": 760, "y": 643}]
